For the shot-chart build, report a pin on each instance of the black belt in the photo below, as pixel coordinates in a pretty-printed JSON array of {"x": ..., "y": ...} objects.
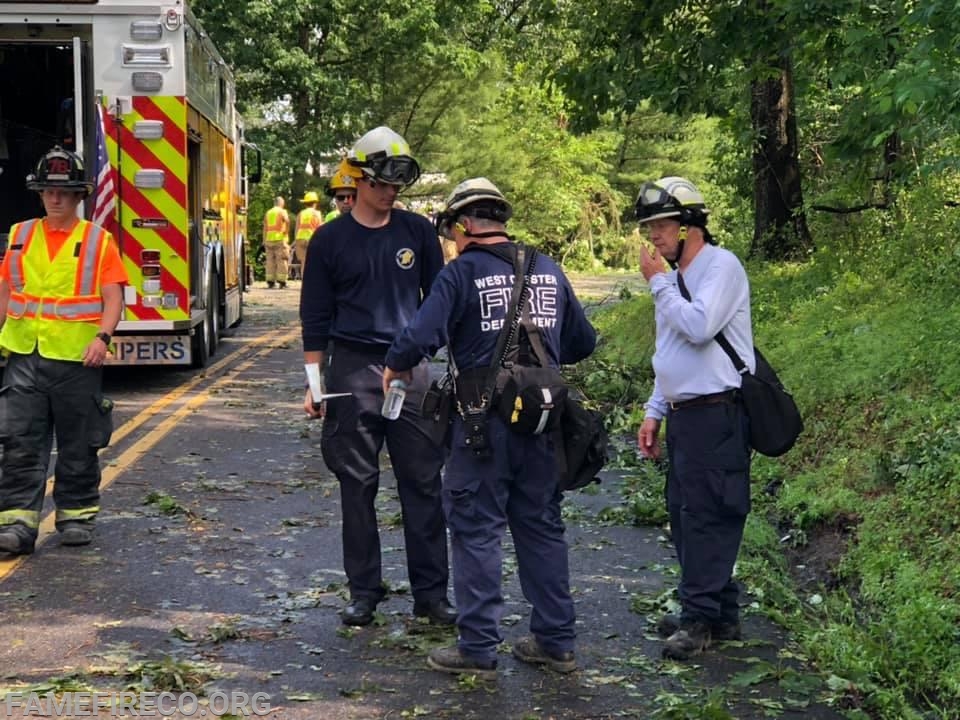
[
  {"x": 361, "y": 348},
  {"x": 727, "y": 396}
]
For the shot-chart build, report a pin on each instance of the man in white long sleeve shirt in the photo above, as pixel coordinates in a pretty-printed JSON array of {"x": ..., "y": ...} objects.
[{"x": 697, "y": 389}]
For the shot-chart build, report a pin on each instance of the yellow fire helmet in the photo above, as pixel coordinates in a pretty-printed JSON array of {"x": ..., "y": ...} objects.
[
  {"x": 345, "y": 178},
  {"x": 310, "y": 197}
]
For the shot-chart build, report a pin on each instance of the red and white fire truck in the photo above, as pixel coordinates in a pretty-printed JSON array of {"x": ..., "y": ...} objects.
[{"x": 143, "y": 81}]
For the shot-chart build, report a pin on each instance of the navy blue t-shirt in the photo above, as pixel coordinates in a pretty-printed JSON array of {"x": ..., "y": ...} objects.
[
  {"x": 363, "y": 284},
  {"x": 468, "y": 305}
]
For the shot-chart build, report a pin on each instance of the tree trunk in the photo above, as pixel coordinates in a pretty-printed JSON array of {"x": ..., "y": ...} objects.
[
  {"x": 780, "y": 225},
  {"x": 303, "y": 113}
]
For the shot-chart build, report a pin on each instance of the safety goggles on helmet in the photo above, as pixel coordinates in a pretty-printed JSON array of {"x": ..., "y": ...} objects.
[
  {"x": 444, "y": 224},
  {"x": 654, "y": 202},
  {"x": 476, "y": 197},
  {"x": 398, "y": 170},
  {"x": 671, "y": 197}
]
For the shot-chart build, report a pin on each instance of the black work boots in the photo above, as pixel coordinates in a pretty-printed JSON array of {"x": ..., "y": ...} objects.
[
  {"x": 15, "y": 541},
  {"x": 719, "y": 632},
  {"x": 690, "y": 639}
]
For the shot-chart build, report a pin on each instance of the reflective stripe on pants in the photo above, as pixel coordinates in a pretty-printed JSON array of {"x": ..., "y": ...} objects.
[{"x": 47, "y": 398}]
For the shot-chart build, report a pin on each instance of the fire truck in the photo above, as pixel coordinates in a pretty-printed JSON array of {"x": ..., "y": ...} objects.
[{"x": 138, "y": 86}]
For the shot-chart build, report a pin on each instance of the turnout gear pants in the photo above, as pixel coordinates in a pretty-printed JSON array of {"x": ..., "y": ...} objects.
[
  {"x": 45, "y": 399},
  {"x": 301, "y": 249},
  {"x": 277, "y": 261},
  {"x": 708, "y": 497},
  {"x": 353, "y": 434}
]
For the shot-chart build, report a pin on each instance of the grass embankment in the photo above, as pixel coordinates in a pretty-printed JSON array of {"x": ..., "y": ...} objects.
[{"x": 852, "y": 542}]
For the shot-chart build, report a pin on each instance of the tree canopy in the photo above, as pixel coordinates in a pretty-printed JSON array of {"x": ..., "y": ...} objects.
[{"x": 817, "y": 106}]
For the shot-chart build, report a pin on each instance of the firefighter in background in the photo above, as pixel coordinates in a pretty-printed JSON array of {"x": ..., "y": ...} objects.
[
  {"x": 343, "y": 189},
  {"x": 61, "y": 297},
  {"x": 308, "y": 220},
  {"x": 276, "y": 243}
]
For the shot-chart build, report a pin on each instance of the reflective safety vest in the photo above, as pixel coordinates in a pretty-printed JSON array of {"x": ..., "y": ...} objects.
[
  {"x": 55, "y": 305},
  {"x": 332, "y": 215},
  {"x": 277, "y": 226},
  {"x": 308, "y": 221}
]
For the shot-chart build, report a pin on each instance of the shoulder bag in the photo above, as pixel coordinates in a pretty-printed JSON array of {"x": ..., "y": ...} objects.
[{"x": 775, "y": 420}]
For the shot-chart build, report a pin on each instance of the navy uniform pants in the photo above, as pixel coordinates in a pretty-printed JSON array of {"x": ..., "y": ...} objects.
[
  {"x": 708, "y": 497},
  {"x": 353, "y": 435},
  {"x": 515, "y": 486},
  {"x": 42, "y": 398}
]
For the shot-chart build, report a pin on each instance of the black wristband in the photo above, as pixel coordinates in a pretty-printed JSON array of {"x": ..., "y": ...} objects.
[{"x": 105, "y": 336}]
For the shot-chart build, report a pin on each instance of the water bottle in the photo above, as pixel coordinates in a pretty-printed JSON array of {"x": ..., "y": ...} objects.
[{"x": 393, "y": 401}]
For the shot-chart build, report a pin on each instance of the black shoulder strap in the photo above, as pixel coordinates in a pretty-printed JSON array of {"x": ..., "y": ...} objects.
[
  {"x": 719, "y": 337},
  {"x": 535, "y": 337}
]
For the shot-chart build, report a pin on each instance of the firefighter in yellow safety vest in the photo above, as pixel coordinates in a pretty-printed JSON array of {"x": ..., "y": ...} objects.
[
  {"x": 61, "y": 296},
  {"x": 308, "y": 220},
  {"x": 276, "y": 243}
]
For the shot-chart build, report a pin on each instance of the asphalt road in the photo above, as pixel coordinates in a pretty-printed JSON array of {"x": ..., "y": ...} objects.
[{"x": 217, "y": 569}]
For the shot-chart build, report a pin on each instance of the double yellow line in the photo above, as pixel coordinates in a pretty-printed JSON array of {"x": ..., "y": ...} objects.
[{"x": 152, "y": 438}]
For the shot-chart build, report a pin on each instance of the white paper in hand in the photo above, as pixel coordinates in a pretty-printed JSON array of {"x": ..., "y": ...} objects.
[{"x": 316, "y": 385}]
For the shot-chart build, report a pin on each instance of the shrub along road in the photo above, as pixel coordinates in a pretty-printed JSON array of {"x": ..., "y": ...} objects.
[{"x": 217, "y": 566}]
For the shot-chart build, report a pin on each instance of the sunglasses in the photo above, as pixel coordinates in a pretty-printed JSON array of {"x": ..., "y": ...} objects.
[{"x": 343, "y": 198}]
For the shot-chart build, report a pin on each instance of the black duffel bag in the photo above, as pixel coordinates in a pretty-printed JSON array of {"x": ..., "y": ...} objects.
[
  {"x": 775, "y": 421},
  {"x": 582, "y": 445}
]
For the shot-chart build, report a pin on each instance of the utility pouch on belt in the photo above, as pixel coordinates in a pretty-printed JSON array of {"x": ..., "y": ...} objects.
[
  {"x": 531, "y": 400},
  {"x": 100, "y": 422},
  {"x": 435, "y": 407},
  {"x": 520, "y": 386},
  {"x": 530, "y": 396}
]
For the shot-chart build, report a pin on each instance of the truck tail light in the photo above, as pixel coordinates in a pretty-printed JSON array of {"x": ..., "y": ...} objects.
[{"x": 150, "y": 271}]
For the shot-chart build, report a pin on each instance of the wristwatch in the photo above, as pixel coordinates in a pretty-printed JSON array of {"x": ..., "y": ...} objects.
[{"x": 105, "y": 336}]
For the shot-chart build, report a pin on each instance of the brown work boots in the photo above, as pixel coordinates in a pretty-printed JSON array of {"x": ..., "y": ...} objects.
[{"x": 530, "y": 651}]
